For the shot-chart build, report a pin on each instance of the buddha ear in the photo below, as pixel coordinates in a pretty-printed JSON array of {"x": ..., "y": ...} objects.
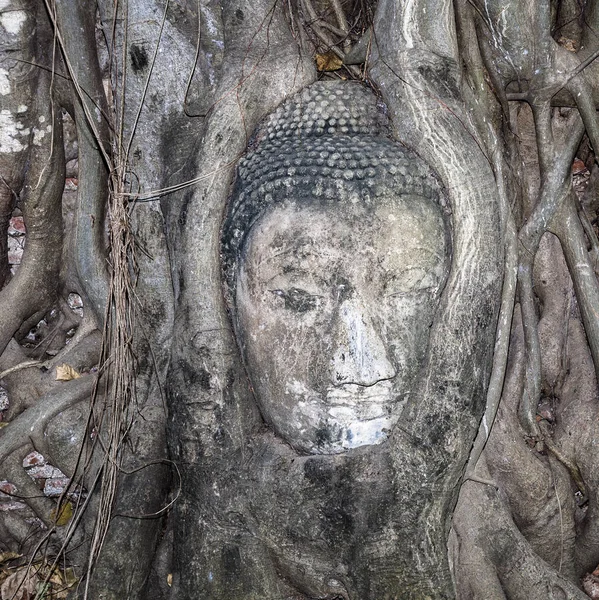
[
  {"x": 241, "y": 283},
  {"x": 240, "y": 294}
]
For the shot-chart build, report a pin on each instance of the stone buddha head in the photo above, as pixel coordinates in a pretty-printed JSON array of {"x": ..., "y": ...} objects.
[{"x": 336, "y": 250}]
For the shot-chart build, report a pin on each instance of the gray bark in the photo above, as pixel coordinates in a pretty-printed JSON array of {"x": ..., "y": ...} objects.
[{"x": 165, "y": 98}]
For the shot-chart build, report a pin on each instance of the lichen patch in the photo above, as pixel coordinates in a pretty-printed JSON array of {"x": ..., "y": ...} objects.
[
  {"x": 10, "y": 129},
  {"x": 4, "y": 82},
  {"x": 13, "y": 21},
  {"x": 38, "y": 134}
]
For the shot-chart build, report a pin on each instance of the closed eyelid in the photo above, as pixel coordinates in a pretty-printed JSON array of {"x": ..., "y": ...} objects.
[
  {"x": 410, "y": 280},
  {"x": 290, "y": 257},
  {"x": 289, "y": 277},
  {"x": 431, "y": 289},
  {"x": 286, "y": 270}
]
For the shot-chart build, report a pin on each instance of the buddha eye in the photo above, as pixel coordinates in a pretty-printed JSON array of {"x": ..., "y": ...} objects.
[
  {"x": 411, "y": 282},
  {"x": 298, "y": 300},
  {"x": 412, "y": 292}
]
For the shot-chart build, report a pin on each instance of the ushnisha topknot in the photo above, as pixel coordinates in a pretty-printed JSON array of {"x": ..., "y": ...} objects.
[{"x": 330, "y": 141}]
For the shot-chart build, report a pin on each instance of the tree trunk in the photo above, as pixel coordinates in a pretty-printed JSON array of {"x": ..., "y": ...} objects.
[{"x": 200, "y": 130}]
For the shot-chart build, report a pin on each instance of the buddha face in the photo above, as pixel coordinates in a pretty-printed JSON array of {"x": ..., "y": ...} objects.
[{"x": 334, "y": 302}]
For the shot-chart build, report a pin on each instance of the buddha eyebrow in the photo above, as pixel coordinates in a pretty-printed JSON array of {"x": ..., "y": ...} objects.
[
  {"x": 296, "y": 272},
  {"x": 295, "y": 254},
  {"x": 426, "y": 254}
]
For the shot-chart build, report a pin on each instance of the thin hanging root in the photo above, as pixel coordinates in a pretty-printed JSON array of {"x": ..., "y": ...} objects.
[
  {"x": 342, "y": 21},
  {"x": 340, "y": 15},
  {"x": 532, "y": 384},
  {"x": 555, "y": 174},
  {"x": 500, "y": 354},
  {"x": 119, "y": 360},
  {"x": 568, "y": 228}
]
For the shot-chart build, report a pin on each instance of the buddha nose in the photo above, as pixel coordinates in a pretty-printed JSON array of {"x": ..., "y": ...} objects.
[{"x": 360, "y": 356}]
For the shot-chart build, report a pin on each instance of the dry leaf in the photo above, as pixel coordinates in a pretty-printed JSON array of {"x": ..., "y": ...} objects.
[
  {"x": 169, "y": 579},
  {"x": 590, "y": 584},
  {"x": 6, "y": 556},
  {"x": 578, "y": 167},
  {"x": 61, "y": 583},
  {"x": 65, "y": 373},
  {"x": 38, "y": 581},
  {"x": 328, "y": 62},
  {"x": 69, "y": 578},
  {"x": 64, "y": 516},
  {"x": 20, "y": 585},
  {"x": 568, "y": 44}
]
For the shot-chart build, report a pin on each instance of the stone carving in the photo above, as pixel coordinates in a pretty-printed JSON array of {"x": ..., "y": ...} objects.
[
  {"x": 335, "y": 252},
  {"x": 335, "y": 249}
]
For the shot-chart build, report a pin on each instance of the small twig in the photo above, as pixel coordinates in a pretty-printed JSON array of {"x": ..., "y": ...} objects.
[
  {"x": 584, "y": 64},
  {"x": 20, "y": 367},
  {"x": 342, "y": 21},
  {"x": 164, "y": 509},
  {"x": 340, "y": 15},
  {"x": 482, "y": 480},
  {"x": 156, "y": 194},
  {"x": 561, "y": 522},
  {"x": 342, "y": 34}
]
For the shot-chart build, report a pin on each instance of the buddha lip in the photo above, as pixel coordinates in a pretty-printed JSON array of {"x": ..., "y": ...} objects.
[{"x": 350, "y": 393}]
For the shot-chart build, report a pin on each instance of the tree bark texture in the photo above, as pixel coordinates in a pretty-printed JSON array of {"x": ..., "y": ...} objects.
[{"x": 485, "y": 487}]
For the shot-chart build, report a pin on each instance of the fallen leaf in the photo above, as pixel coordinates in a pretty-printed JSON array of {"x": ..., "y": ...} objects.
[
  {"x": 69, "y": 578},
  {"x": 64, "y": 515},
  {"x": 16, "y": 227},
  {"x": 33, "y": 459},
  {"x": 328, "y": 62},
  {"x": 568, "y": 44},
  {"x": 8, "y": 488},
  {"x": 590, "y": 584},
  {"x": 6, "y": 556},
  {"x": 578, "y": 167},
  {"x": 65, "y": 373},
  {"x": 169, "y": 579},
  {"x": 20, "y": 585},
  {"x": 54, "y": 487},
  {"x": 38, "y": 581}
]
